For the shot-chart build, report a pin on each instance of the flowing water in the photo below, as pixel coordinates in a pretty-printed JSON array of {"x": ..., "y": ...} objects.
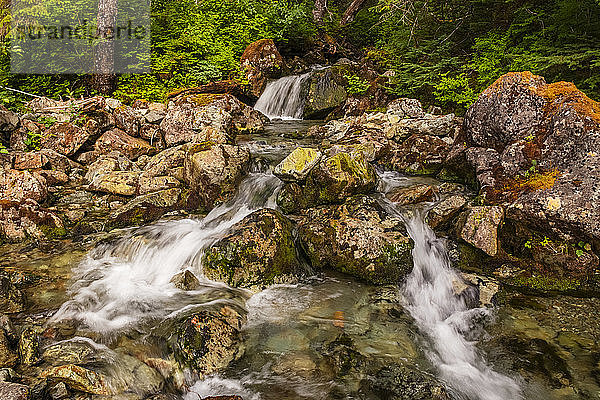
[
  {"x": 431, "y": 298},
  {"x": 327, "y": 338},
  {"x": 283, "y": 98},
  {"x": 119, "y": 285}
]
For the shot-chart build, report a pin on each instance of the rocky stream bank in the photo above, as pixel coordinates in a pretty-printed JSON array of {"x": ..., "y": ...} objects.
[{"x": 195, "y": 248}]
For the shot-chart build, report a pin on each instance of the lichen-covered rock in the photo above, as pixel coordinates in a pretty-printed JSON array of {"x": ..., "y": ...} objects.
[
  {"x": 11, "y": 298},
  {"x": 29, "y": 347},
  {"x": 213, "y": 171},
  {"x": 357, "y": 238},
  {"x": 64, "y": 138},
  {"x": 325, "y": 91},
  {"x": 117, "y": 140},
  {"x": 151, "y": 184},
  {"x": 27, "y": 219},
  {"x": 334, "y": 179},
  {"x": 419, "y": 155},
  {"x": 401, "y": 383},
  {"x": 261, "y": 61},
  {"x": 533, "y": 149},
  {"x": 297, "y": 165},
  {"x": 479, "y": 227},
  {"x": 405, "y": 108},
  {"x": 13, "y": 391},
  {"x": 147, "y": 208},
  {"x": 441, "y": 215},
  {"x": 433, "y": 125},
  {"x": 258, "y": 252},
  {"x": 209, "y": 341},
  {"x": 79, "y": 378},
  {"x": 16, "y": 186},
  {"x": 208, "y": 117},
  {"x": 412, "y": 194},
  {"x": 128, "y": 120},
  {"x": 123, "y": 183}
]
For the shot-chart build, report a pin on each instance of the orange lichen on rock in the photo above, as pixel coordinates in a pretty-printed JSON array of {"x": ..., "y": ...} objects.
[
  {"x": 561, "y": 94},
  {"x": 512, "y": 188}
]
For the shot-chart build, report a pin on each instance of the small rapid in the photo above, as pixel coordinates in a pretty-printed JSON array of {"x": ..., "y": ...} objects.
[
  {"x": 121, "y": 284},
  {"x": 282, "y": 98},
  {"x": 442, "y": 315}
]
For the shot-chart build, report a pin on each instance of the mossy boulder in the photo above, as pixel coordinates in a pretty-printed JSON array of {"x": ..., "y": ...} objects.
[
  {"x": 357, "y": 238},
  {"x": 148, "y": 207},
  {"x": 326, "y": 90},
  {"x": 258, "y": 252},
  {"x": 297, "y": 165},
  {"x": 334, "y": 179},
  {"x": 209, "y": 340},
  {"x": 261, "y": 61}
]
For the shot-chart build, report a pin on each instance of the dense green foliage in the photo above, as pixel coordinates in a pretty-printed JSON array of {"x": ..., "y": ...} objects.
[
  {"x": 441, "y": 51},
  {"x": 448, "y": 51}
]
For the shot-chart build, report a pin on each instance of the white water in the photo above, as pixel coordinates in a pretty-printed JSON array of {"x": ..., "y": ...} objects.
[
  {"x": 119, "y": 285},
  {"x": 444, "y": 317},
  {"x": 282, "y": 99}
]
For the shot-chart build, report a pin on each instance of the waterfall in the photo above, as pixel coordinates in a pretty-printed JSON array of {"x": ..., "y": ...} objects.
[
  {"x": 124, "y": 283},
  {"x": 282, "y": 98},
  {"x": 446, "y": 320}
]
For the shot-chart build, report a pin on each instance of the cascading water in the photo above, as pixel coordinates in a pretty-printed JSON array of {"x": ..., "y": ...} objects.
[
  {"x": 119, "y": 285},
  {"x": 443, "y": 316},
  {"x": 282, "y": 99}
]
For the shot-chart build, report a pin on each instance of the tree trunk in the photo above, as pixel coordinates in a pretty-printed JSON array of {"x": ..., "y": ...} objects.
[
  {"x": 104, "y": 77},
  {"x": 319, "y": 10},
  {"x": 351, "y": 12}
]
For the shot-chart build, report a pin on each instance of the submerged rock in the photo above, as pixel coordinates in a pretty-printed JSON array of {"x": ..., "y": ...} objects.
[
  {"x": 185, "y": 280},
  {"x": 358, "y": 239},
  {"x": 11, "y": 298},
  {"x": 259, "y": 252},
  {"x": 401, "y": 383},
  {"x": 209, "y": 341},
  {"x": 78, "y": 378}
]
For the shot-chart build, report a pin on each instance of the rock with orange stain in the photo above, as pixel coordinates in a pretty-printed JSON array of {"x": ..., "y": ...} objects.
[
  {"x": 532, "y": 147},
  {"x": 338, "y": 319}
]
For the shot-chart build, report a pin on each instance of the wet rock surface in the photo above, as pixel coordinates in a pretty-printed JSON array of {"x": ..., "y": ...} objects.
[{"x": 357, "y": 238}]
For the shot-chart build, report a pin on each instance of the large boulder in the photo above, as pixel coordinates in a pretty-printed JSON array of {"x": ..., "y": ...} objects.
[
  {"x": 325, "y": 90},
  {"x": 261, "y": 61},
  {"x": 258, "y": 252},
  {"x": 357, "y": 238},
  {"x": 533, "y": 148},
  {"x": 331, "y": 181},
  {"x": 208, "y": 117},
  {"x": 212, "y": 172},
  {"x": 419, "y": 155}
]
